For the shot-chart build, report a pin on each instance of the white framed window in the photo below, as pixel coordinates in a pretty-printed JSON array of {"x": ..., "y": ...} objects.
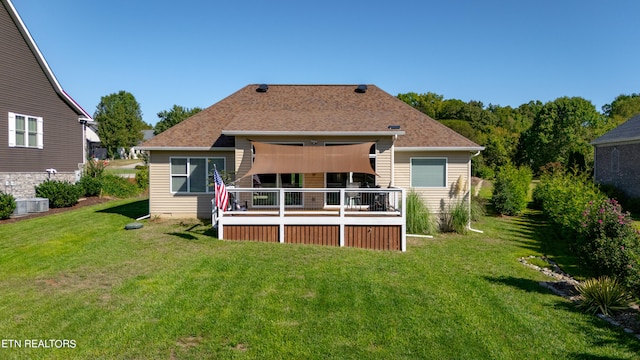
[
  {"x": 429, "y": 172},
  {"x": 194, "y": 174},
  {"x": 25, "y": 131}
]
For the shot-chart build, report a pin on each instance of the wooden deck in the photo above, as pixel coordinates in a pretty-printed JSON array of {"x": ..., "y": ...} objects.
[{"x": 340, "y": 226}]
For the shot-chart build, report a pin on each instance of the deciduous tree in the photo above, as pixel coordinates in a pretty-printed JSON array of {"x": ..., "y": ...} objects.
[
  {"x": 172, "y": 117},
  {"x": 119, "y": 122}
]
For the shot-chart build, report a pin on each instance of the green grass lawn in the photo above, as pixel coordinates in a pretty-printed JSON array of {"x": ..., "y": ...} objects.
[{"x": 171, "y": 290}]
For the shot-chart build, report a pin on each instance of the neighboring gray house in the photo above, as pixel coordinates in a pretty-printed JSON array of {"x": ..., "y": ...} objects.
[
  {"x": 43, "y": 131},
  {"x": 617, "y": 157}
]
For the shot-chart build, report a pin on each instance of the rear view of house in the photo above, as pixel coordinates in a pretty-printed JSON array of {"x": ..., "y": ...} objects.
[
  {"x": 309, "y": 163},
  {"x": 42, "y": 134}
]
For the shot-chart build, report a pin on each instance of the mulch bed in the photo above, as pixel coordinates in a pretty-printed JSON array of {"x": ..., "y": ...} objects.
[{"x": 81, "y": 203}]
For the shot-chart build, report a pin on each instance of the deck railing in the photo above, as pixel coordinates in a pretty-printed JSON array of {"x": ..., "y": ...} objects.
[{"x": 309, "y": 206}]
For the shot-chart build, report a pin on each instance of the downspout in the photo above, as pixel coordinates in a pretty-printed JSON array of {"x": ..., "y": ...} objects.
[
  {"x": 469, "y": 192},
  {"x": 393, "y": 159}
]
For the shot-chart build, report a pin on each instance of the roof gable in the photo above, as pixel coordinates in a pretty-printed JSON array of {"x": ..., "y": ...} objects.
[
  {"x": 22, "y": 28},
  {"x": 310, "y": 109},
  {"x": 627, "y": 131}
]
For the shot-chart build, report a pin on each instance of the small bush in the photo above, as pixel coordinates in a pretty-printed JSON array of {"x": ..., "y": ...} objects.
[
  {"x": 419, "y": 219},
  {"x": 60, "y": 193},
  {"x": 95, "y": 168},
  {"x": 608, "y": 244},
  {"x": 630, "y": 203},
  {"x": 142, "y": 177},
  {"x": 604, "y": 295},
  {"x": 117, "y": 186},
  {"x": 7, "y": 205},
  {"x": 92, "y": 186},
  {"x": 511, "y": 189}
]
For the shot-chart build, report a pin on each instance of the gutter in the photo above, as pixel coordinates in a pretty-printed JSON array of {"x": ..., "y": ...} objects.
[
  {"x": 469, "y": 192},
  {"x": 309, "y": 133}
]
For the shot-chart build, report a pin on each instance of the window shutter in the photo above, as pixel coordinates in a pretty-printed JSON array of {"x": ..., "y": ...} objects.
[
  {"x": 39, "y": 133},
  {"x": 12, "y": 129}
]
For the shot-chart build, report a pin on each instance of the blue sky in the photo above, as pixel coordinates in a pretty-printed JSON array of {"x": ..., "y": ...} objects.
[{"x": 196, "y": 52}]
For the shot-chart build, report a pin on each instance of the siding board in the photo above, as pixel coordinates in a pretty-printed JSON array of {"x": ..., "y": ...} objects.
[
  {"x": 261, "y": 233},
  {"x": 327, "y": 235},
  {"x": 165, "y": 204},
  {"x": 457, "y": 167},
  {"x": 25, "y": 89}
]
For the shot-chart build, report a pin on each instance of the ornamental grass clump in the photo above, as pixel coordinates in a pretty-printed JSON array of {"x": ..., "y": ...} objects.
[
  {"x": 608, "y": 244},
  {"x": 419, "y": 218},
  {"x": 604, "y": 295}
]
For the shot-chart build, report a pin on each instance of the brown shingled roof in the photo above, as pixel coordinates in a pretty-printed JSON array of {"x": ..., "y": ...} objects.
[{"x": 308, "y": 108}]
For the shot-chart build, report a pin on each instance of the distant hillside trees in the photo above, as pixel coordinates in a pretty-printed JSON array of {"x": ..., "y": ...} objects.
[{"x": 533, "y": 134}]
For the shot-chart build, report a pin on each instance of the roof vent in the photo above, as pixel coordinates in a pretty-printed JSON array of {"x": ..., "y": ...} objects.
[
  {"x": 361, "y": 89},
  {"x": 262, "y": 88},
  {"x": 393, "y": 127}
]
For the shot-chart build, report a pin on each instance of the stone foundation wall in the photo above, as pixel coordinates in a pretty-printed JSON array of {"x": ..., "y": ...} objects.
[{"x": 22, "y": 185}]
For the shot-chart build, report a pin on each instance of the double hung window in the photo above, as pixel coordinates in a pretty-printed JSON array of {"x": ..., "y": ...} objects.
[{"x": 25, "y": 131}]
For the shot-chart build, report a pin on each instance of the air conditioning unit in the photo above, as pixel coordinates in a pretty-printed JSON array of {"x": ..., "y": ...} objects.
[
  {"x": 21, "y": 207},
  {"x": 36, "y": 205}
]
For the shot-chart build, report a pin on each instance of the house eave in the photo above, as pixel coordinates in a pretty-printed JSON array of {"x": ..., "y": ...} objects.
[
  {"x": 622, "y": 141},
  {"x": 310, "y": 133},
  {"x": 182, "y": 148},
  {"x": 42, "y": 61},
  {"x": 440, "y": 148}
]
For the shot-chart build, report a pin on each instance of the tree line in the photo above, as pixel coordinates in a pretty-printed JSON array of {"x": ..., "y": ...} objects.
[{"x": 533, "y": 134}]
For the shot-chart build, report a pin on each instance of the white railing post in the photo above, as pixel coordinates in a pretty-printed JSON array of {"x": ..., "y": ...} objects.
[
  {"x": 403, "y": 211},
  {"x": 341, "y": 211},
  {"x": 281, "y": 226}
]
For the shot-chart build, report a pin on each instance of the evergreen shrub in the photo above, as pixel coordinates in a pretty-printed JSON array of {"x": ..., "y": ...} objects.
[
  {"x": 511, "y": 189},
  {"x": 7, "y": 205},
  {"x": 60, "y": 193}
]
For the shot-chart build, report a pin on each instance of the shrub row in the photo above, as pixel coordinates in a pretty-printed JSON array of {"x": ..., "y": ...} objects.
[
  {"x": 563, "y": 197},
  {"x": 596, "y": 227}
]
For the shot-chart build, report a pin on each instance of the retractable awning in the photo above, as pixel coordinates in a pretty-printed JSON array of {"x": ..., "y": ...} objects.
[{"x": 289, "y": 159}]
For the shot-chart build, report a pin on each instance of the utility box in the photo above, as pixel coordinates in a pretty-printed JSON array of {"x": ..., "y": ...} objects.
[
  {"x": 37, "y": 205},
  {"x": 21, "y": 207}
]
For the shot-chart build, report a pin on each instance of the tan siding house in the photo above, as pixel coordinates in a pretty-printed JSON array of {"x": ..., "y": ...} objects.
[{"x": 410, "y": 150}]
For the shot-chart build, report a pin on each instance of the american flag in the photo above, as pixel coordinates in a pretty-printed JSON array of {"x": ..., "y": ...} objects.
[{"x": 222, "y": 196}]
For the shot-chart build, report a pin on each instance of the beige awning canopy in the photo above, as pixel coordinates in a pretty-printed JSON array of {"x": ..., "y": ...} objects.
[{"x": 290, "y": 159}]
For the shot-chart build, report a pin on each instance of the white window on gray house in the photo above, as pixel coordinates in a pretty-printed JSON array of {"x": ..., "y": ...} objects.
[
  {"x": 25, "y": 131},
  {"x": 615, "y": 161},
  {"x": 194, "y": 174},
  {"x": 428, "y": 172}
]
